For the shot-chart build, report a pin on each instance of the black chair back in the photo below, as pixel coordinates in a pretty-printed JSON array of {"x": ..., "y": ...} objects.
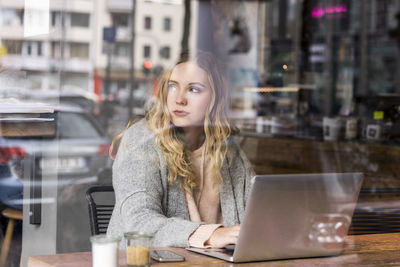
[
  {"x": 99, "y": 214},
  {"x": 377, "y": 217}
]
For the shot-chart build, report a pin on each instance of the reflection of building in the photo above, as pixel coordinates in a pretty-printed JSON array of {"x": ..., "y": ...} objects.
[
  {"x": 159, "y": 27},
  {"x": 75, "y": 47},
  {"x": 342, "y": 47},
  {"x": 70, "y": 34}
]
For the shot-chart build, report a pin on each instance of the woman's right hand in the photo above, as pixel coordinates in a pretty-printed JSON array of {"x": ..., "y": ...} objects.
[{"x": 224, "y": 236}]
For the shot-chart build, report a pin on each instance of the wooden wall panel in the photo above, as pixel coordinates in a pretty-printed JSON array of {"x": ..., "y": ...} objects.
[{"x": 380, "y": 163}]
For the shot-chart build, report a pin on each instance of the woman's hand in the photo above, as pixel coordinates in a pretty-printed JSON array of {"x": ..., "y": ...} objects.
[{"x": 224, "y": 236}]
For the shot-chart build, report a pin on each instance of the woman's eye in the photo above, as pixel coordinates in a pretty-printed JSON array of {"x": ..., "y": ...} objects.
[
  {"x": 171, "y": 88},
  {"x": 194, "y": 90}
]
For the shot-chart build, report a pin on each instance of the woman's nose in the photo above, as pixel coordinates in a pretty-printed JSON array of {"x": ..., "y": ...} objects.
[{"x": 181, "y": 99}]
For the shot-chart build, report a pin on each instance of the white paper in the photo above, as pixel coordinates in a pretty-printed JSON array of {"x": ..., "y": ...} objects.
[
  {"x": 105, "y": 255},
  {"x": 36, "y": 17}
]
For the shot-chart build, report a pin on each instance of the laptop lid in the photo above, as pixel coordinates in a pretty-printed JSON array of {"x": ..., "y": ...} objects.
[
  {"x": 297, "y": 215},
  {"x": 294, "y": 216}
]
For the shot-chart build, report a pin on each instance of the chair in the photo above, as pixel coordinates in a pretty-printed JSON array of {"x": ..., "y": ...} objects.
[
  {"x": 99, "y": 214},
  {"x": 378, "y": 217},
  {"x": 12, "y": 215}
]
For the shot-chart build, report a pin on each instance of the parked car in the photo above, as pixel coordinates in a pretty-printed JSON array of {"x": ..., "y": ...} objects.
[
  {"x": 70, "y": 96},
  {"x": 77, "y": 152}
]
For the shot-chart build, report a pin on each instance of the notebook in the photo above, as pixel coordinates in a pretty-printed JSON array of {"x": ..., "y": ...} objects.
[{"x": 294, "y": 216}]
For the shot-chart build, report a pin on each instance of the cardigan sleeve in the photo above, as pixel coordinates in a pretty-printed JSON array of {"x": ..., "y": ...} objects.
[{"x": 139, "y": 194}]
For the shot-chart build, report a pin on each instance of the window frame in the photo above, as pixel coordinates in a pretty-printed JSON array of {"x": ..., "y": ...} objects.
[
  {"x": 73, "y": 21},
  {"x": 147, "y": 51},
  {"x": 167, "y": 27},
  {"x": 147, "y": 22}
]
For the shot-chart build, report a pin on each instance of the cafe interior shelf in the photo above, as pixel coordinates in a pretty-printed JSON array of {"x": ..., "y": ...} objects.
[{"x": 380, "y": 163}]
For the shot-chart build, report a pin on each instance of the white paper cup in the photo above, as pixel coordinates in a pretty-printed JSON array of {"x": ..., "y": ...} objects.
[
  {"x": 105, "y": 251},
  {"x": 331, "y": 128}
]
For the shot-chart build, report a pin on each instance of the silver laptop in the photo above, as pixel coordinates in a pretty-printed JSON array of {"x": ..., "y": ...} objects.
[{"x": 294, "y": 216}]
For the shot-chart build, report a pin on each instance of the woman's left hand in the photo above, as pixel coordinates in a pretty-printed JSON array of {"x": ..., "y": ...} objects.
[{"x": 224, "y": 236}]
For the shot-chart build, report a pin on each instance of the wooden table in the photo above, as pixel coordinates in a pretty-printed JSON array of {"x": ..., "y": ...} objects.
[{"x": 378, "y": 250}]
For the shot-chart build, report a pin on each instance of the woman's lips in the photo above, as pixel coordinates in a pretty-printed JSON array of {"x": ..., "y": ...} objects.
[{"x": 180, "y": 113}]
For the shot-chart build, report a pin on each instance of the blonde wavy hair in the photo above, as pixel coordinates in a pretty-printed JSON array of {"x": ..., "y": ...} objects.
[{"x": 217, "y": 127}]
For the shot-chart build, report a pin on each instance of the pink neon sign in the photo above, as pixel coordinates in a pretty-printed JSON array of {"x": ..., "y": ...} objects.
[{"x": 319, "y": 11}]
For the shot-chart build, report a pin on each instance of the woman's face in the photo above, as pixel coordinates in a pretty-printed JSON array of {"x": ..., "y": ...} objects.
[{"x": 189, "y": 95}]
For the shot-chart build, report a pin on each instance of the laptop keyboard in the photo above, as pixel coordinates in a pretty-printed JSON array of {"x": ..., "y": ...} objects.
[{"x": 230, "y": 247}]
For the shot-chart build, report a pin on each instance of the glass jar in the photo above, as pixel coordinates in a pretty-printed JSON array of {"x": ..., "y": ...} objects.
[
  {"x": 105, "y": 250},
  {"x": 138, "y": 249}
]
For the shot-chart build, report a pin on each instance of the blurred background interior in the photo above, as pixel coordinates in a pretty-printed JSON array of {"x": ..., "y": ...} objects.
[{"x": 315, "y": 87}]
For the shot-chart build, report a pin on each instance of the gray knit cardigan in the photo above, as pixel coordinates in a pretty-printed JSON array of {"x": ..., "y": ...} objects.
[{"x": 146, "y": 202}]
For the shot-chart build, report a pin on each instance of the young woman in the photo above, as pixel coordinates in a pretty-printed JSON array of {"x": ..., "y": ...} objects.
[{"x": 178, "y": 174}]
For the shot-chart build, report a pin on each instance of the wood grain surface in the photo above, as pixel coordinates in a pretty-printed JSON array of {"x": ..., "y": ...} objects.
[
  {"x": 380, "y": 163},
  {"x": 370, "y": 250}
]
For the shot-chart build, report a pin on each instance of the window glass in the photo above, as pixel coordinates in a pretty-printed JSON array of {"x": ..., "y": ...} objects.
[
  {"x": 75, "y": 125},
  {"x": 80, "y": 20},
  {"x": 167, "y": 24},
  {"x": 121, "y": 49},
  {"x": 12, "y": 17},
  {"x": 13, "y": 46},
  {"x": 120, "y": 19},
  {"x": 79, "y": 50},
  {"x": 32, "y": 48},
  {"x": 57, "y": 18},
  {"x": 55, "y": 50},
  {"x": 314, "y": 87},
  {"x": 165, "y": 52},
  {"x": 39, "y": 48},
  {"x": 147, "y": 23},
  {"x": 147, "y": 51},
  {"x": 29, "y": 48}
]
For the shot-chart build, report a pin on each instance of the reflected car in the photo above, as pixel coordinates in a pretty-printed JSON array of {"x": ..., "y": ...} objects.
[
  {"x": 71, "y": 97},
  {"x": 77, "y": 153}
]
